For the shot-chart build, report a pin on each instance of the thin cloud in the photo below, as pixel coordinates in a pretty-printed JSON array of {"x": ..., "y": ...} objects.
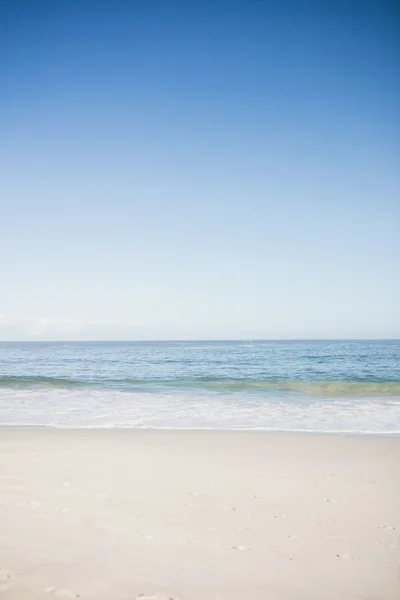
[{"x": 39, "y": 326}]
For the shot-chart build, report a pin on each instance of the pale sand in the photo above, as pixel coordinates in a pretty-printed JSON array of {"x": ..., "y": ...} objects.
[{"x": 198, "y": 516}]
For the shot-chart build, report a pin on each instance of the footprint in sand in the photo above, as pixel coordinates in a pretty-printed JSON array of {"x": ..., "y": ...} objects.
[
  {"x": 386, "y": 527},
  {"x": 344, "y": 556},
  {"x": 62, "y": 593},
  {"x": 5, "y": 578}
]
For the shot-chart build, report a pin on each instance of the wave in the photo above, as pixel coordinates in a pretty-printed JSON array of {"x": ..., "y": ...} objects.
[
  {"x": 317, "y": 388},
  {"x": 40, "y": 381}
]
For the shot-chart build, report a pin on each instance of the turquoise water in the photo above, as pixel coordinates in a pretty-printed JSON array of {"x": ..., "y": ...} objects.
[{"x": 326, "y": 386}]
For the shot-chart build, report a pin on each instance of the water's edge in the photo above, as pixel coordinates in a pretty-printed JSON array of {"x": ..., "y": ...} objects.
[{"x": 260, "y": 431}]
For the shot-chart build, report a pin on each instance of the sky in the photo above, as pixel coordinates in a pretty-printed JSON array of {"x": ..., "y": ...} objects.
[{"x": 199, "y": 170}]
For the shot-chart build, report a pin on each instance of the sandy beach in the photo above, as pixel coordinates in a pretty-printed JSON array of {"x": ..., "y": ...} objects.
[{"x": 112, "y": 515}]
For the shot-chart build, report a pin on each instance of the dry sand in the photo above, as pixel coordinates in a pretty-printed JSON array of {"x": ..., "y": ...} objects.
[{"x": 111, "y": 515}]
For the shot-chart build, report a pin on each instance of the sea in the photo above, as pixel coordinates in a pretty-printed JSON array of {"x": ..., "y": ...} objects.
[{"x": 347, "y": 387}]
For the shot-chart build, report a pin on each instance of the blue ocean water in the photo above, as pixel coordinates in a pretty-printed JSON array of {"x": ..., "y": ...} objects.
[{"x": 324, "y": 386}]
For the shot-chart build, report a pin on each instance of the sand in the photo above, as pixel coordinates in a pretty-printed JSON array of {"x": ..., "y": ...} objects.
[{"x": 112, "y": 515}]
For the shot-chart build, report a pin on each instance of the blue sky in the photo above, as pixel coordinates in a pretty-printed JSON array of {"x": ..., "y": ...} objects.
[{"x": 199, "y": 169}]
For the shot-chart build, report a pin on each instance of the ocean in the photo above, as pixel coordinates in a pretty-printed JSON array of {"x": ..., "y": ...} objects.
[{"x": 310, "y": 386}]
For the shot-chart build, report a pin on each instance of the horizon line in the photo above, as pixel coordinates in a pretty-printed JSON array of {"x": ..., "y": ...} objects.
[{"x": 191, "y": 340}]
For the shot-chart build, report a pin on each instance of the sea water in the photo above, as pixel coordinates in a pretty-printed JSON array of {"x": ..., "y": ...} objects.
[{"x": 318, "y": 386}]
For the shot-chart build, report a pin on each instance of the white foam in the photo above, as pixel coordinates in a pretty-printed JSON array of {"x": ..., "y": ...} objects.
[{"x": 84, "y": 408}]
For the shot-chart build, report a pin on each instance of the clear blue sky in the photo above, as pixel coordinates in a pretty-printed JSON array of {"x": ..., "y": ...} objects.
[{"x": 203, "y": 169}]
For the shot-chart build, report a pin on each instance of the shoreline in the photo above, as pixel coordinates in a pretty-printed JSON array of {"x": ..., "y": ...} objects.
[{"x": 395, "y": 435}]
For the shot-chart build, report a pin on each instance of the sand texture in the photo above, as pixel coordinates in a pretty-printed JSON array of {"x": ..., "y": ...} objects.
[{"x": 115, "y": 515}]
